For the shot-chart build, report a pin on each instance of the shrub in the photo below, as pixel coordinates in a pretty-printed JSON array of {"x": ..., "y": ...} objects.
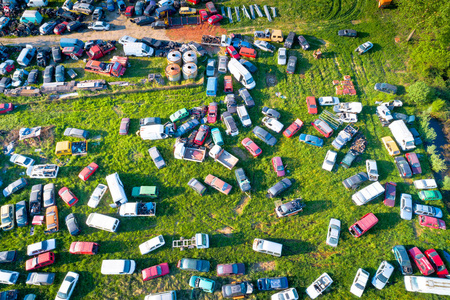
[
  {"x": 428, "y": 132},
  {"x": 437, "y": 163},
  {"x": 420, "y": 92},
  {"x": 446, "y": 183}
]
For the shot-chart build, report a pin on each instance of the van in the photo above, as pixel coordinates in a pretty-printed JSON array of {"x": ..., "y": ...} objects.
[
  {"x": 363, "y": 225},
  {"x": 244, "y": 116},
  {"x": 165, "y": 11},
  {"x": 152, "y": 132},
  {"x": 247, "y": 52},
  {"x": 68, "y": 42},
  {"x": 402, "y": 135},
  {"x": 268, "y": 247},
  {"x": 8, "y": 277},
  {"x": 26, "y": 55},
  {"x": 118, "y": 266},
  {"x": 241, "y": 73},
  {"x": 31, "y": 16},
  {"x": 211, "y": 87},
  {"x": 145, "y": 192},
  {"x": 116, "y": 189},
  {"x": 429, "y": 285},
  {"x": 171, "y": 295},
  {"x": 137, "y": 49},
  {"x": 102, "y": 222},
  {"x": 37, "y": 3}
]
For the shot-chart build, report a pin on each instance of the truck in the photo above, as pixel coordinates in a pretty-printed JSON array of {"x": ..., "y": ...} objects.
[
  {"x": 109, "y": 69},
  {"x": 422, "y": 284},
  {"x": 358, "y": 147},
  {"x": 223, "y": 157},
  {"x": 137, "y": 209},
  {"x": 368, "y": 193},
  {"x": 98, "y": 51},
  {"x": 363, "y": 225},
  {"x": 344, "y": 136},
  {"x": 71, "y": 148},
  {"x": 402, "y": 135},
  {"x": 181, "y": 151},
  {"x": 199, "y": 241}
]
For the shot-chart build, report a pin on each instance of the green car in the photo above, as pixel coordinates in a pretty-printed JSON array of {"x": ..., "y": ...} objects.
[
  {"x": 206, "y": 284},
  {"x": 179, "y": 114},
  {"x": 429, "y": 195}
]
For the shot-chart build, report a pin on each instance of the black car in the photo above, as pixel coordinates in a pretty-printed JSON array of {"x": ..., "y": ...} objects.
[
  {"x": 57, "y": 54},
  {"x": 303, "y": 42},
  {"x": 403, "y": 167},
  {"x": 36, "y": 196},
  {"x": 72, "y": 225},
  {"x": 279, "y": 187},
  {"x": 355, "y": 181},
  {"x": 151, "y": 42},
  {"x": 141, "y": 21},
  {"x": 33, "y": 76},
  {"x": 248, "y": 99},
  {"x": 9, "y": 295},
  {"x": 348, "y": 32},
  {"x": 231, "y": 103},
  {"x": 8, "y": 256},
  {"x": 292, "y": 62},
  {"x": 159, "y": 25},
  {"x": 149, "y": 9},
  {"x": 74, "y": 26},
  {"x": 68, "y": 16},
  {"x": 5, "y": 83},
  {"x": 289, "y": 40},
  {"x": 42, "y": 56},
  {"x": 248, "y": 65},
  {"x": 49, "y": 72},
  {"x": 21, "y": 213}
]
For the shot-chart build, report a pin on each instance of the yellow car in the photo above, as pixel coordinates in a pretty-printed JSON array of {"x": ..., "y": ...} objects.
[
  {"x": 391, "y": 146},
  {"x": 187, "y": 11},
  {"x": 7, "y": 212}
]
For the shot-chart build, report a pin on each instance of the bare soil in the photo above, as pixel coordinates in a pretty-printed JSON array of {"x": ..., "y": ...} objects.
[
  {"x": 242, "y": 204},
  {"x": 263, "y": 266},
  {"x": 226, "y": 231},
  {"x": 194, "y": 33}
]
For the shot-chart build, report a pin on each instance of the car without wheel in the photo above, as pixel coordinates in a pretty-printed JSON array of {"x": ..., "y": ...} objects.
[
  {"x": 330, "y": 160},
  {"x": 355, "y": 181},
  {"x": 272, "y": 283},
  {"x": 382, "y": 275},
  {"x": 290, "y": 294},
  {"x": 424, "y": 184},
  {"x": 88, "y": 171},
  {"x": 289, "y": 208},
  {"x": 293, "y": 128},
  {"x": 390, "y": 193},
  {"x": 21, "y": 160},
  {"x": 14, "y": 187},
  {"x": 230, "y": 269},
  {"x": 72, "y": 225},
  {"x": 124, "y": 125},
  {"x": 67, "y": 196},
  {"x": 197, "y": 186},
  {"x": 210, "y": 67},
  {"x": 232, "y": 52},
  {"x": 273, "y": 124},
  {"x": 212, "y": 112},
  {"x": 223, "y": 62},
  {"x": 265, "y": 46},
  {"x": 363, "y": 48},
  {"x": 319, "y": 286},
  {"x": 67, "y": 286},
  {"x": 431, "y": 222},
  {"x": 269, "y": 112},
  {"x": 421, "y": 261},
  {"x": 99, "y": 26},
  {"x": 282, "y": 56},
  {"x": 49, "y": 195},
  {"x": 414, "y": 162},
  {"x": 155, "y": 271},
  {"x": 157, "y": 158},
  {"x": 97, "y": 195},
  {"x": 278, "y": 166},
  {"x": 231, "y": 103},
  {"x": 427, "y": 210},
  {"x": 245, "y": 95},
  {"x": 401, "y": 255},
  {"x": 192, "y": 264},
  {"x": 237, "y": 290},
  {"x": 303, "y": 42},
  {"x": 403, "y": 167},
  {"x": 334, "y": 230},
  {"x": 215, "y": 19},
  {"x": 7, "y": 217},
  {"x": 360, "y": 282},
  {"x": 242, "y": 180},
  {"x": 311, "y": 140},
  {"x": 429, "y": 195},
  {"x": 324, "y": 101},
  {"x": 264, "y": 136},
  {"x": 279, "y": 187},
  {"x": 406, "y": 206},
  {"x": 248, "y": 65},
  {"x": 218, "y": 184},
  {"x": 291, "y": 64},
  {"x": 437, "y": 262},
  {"x": 348, "y": 33},
  {"x": 21, "y": 215},
  {"x": 312, "y": 105},
  {"x": 36, "y": 278},
  {"x": 386, "y": 88},
  {"x": 49, "y": 72},
  {"x": 251, "y": 147},
  {"x": 84, "y": 248}
]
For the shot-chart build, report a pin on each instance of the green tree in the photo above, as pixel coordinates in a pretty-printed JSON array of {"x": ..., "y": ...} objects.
[
  {"x": 437, "y": 163},
  {"x": 446, "y": 184},
  {"x": 419, "y": 92}
]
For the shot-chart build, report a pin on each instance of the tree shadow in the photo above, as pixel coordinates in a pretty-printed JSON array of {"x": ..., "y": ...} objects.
[{"x": 363, "y": 35}]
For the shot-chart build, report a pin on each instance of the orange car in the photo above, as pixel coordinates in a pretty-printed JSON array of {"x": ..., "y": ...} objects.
[{"x": 51, "y": 219}]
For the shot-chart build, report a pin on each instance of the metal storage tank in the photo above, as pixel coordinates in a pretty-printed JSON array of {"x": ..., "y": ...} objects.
[
  {"x": 189, "y": 71},
  {"x": 173, "y": 72},
  {"x": 174, "y": 57},
  {"x": 189, "y": 57}
]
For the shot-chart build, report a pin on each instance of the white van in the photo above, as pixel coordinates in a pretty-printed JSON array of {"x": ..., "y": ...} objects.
[
  {"x": 429, "y": 285},
  {"x": 152, "y": 244},
  {"x": 37, "y": 3},
  {"x": 152, "y": 132},
  {"x": 26, "y": 55},
  {"x": 171, "y": 295},
  {"x": 102, "y": 222},
  {"x": 244, "y": 116},
  {"x": 268, "y": 247},
  {"x": 241, "y": 73},
  {"x": 8, "y": 277},
  {"x": 137, "y": 49},
  {"x": 116, "y": 189},
  {"x": 118, "y": 266}
]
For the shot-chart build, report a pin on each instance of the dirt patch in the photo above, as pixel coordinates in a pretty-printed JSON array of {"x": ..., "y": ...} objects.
[
  {"x": 118, "y": 110},
  {"x": 354, "y": 22},
  {"x": 242, "y": 204},
  {"x": 417, "y": 230},
  {"x": 226, "y": 231},
  {"x": 263, "y": 266},
  {"x": 239, "y": 153},
  {"x": 194, "y": 33},
  {"x": 271, "y": 80}
]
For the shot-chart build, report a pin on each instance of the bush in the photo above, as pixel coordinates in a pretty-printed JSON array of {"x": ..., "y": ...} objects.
[
  {"x": 431, "y": 150},
  {"x": 446, "y": 184},
  {"x": 420, "y": 92},
  {"x": 437, "y": 105},
  {"x": 437, "y": 163},
  {"x": 428, "y": 132}
]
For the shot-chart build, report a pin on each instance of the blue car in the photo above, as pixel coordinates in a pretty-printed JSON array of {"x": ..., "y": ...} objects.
[
  {"x": 274, "y": 283},
  {"x": 217, "y": 136},
  {"x": 311, "y": 139},
  {"x": 248, "y": 65},
  {"x": 110, "y": 6},
  {"x": 205, "y": 284},
  {"x": 403, "y": 259},
  {"x": 121, "y": 5}
]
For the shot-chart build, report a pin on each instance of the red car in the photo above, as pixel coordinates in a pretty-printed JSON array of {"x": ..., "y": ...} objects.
[
  {"x": 40, "y": 261},
  {"x": 6, "y": 108},
  {"x": 431, "y": 222},
  {"x": 232, "y": 52},
  {"x": 68, "y": 196},
  {"x": 421, "y": 261},
  {"x": 437, "y": 262},
  {"x": 215, "y": 19},
  {"x": 312, "y": 105},
  {"x": 124, "y": 125},
  {"x": 227, "y": 84},
  {"x": 77, "y": 51},
  {"x": 278, "y": 166},
  {"x": 389, "y": 194},
  {"x": 293, "y": 128},
  {"x": 202, "y": 134},
  {"x": 203, "y": 15},
  {"x": 88, "y": 171},
  {"x": 155, "y": 271},
  {"x": 212, "y": 112},
  {"x": 88, "y": 248},
  {"x": 60, "y": 28},
  {"x": 7, "y": 67},
  {"x": 414, "y": 162},
  {"x": 129, "y": 12},
  {"x": 251, "y": 147}
]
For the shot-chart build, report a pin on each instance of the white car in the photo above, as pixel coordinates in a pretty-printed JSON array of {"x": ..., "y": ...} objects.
[
  {"x": 290, "y": 294},
  {"x": 319, "y": 286},
  {"x": 18, "y": 77},
  {"x": 273, "y": 124},
  {"x": 165, "y": 2},
  {"x": 372, "y": 169},
  {"x": 334, "y": 230},
  {"x": 118, "y": 266},
  {"x": 265, "y": 46},
  {"x": 330, "y": 160},
  {"x": 348, "y": 107},
  {"x": 67, "y": 286},
  {"x": 348, "y": 117},
  {"x": 406, "y": 207},
  {"x": 152, "y": 244},
  {"x": 384, "y": 113},
  {"x": 244, "y": 116},
  {"x": 425, "y": 184},
  {"x": 21, "y": 160},
  {"x": 360, "y": 282},
  {"x": 127, "y": 39},
  {"x": 41, "y": 247},
  {"x": 328, "y": 101},
  {"x": 225, "y": 41},
  {"x": 97, "y": 195},
  {"x": 382, "y": 276},
  {"x": 99, "y": 26},
  {"x": 427, "y": 210},
  {"x": 282, "y": 56}
]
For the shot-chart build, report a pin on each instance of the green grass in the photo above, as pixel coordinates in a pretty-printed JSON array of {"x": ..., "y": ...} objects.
[{"x": 181, "y": 212}]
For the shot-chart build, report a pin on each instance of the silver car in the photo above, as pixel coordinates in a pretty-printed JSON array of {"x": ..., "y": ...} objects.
[
  {"x": 223, "y": 62},
  {"x": 157, "y": 158},
  {"x": 49, "y": 194},
  {"x": 334, "y": 230},
  {"x": 22, "y": 160},
  {"x": 384, "y": 271},
  {"x": 406, "y": 207},
  {"x": 97, "y": 195},
  {"x": 282, "y": 56}
]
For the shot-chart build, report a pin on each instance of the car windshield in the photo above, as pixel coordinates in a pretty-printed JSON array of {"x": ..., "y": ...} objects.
[
  {"x": 250, "y": 80},
  {"x": 382, "y": 278},
  {"x": 280, "y": 168}
]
